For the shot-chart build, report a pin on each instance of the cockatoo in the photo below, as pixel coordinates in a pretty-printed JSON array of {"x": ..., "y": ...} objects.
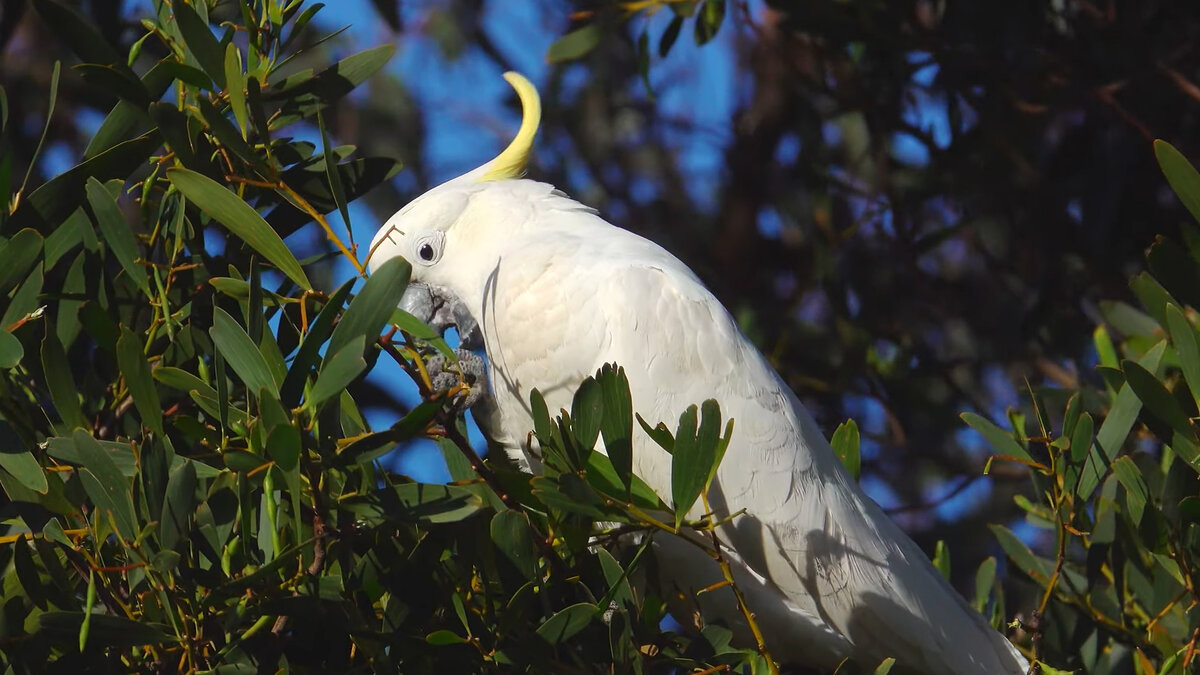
[{"x": 553, "y": 292}]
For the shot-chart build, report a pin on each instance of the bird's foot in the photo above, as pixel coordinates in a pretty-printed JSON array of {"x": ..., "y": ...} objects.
[{"x": 468, "y": 376}]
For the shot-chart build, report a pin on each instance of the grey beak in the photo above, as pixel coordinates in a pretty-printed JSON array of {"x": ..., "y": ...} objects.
[{"x": 441, "y": 309}]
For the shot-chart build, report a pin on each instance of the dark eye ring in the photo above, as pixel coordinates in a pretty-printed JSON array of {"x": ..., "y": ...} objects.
[{"x": 426, "y": 252}]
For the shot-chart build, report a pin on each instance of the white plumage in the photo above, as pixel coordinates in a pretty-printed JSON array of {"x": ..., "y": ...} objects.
[{"x": 557, "y": 292}]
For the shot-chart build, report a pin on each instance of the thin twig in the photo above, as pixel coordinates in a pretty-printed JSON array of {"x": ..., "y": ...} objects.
[{"x": 727, "y": 571}]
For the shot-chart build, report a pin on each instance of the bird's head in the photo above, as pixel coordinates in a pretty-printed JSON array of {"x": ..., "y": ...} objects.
[{"x": 445, "y": 232}]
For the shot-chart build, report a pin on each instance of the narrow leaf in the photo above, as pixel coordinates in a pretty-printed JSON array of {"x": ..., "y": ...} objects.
[
  {"x": 1183, "y": 336},
  {"x": 845, "y": 444},
  {"x": 25, "y": 468},
  {"x": 136, "y": 371},
  {"x": 1180, "y": 173},
  {"x": 200, "y": 42},
  {"x": 371, "y": 308},
  {"x": 1136, "y": 493},
  {"x": 241, "y": 353},
  {"x": 243, "y": 221},
  {"x": 574, "y": 45},
  {"x": 617, "y": 424},
  {"x": 338, "y": 371},
  {"x": 179, "y": 505},
  {"x": 587, "y": 411}
]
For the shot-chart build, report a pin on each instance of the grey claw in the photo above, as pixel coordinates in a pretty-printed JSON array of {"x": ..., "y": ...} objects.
[{"x": 444, "y": 375}]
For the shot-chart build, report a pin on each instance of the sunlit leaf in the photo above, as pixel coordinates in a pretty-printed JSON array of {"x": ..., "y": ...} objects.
[{"x": 225, "y": 207}]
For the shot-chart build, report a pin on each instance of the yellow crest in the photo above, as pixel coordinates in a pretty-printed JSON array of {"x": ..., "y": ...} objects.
[{"x": 511, "y": 162}]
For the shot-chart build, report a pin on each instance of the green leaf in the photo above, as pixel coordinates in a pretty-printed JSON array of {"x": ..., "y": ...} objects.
[
  {"x": 105, "y": 484},
  {"x": 25, "y": 300},
  {"x": 243, "y": 221},
  {"x": 305, "y": 94},
  {"x": 419, "y": 330},
  {"x": 370, "y": 309},
  {"x": 659, "y": 434},
  {"x": 1153, "y": 297},
  {"x": 179, "y": 505},
  {"x": 136, "y": 371},
  {"x": 511, "y": 534},
  {"x": 1155, "y": 397},
  {"x": 885, "y": 666},
  {"x": 1002, "y": 441},
  {"x": 310, "y": 348},
  {"x": 985, "y": 578},
  {"x": 1183, "y": 336},
  {"x": 77, "y": 33},
  {"x": 576, "y": 44},
  {"x": 567, "y": 494},
  {"x": 845, "y": 444},
  {"x": 284, "y": 446},
  {"x": 708, "y": 22},
  {"x": 17, "y": 256},
  {"x": 11, "y": 350},
  {"x": 1180, "y": 174},
  {"x": 1115, "y": 428},
  {"x": 669, "y": 36},
  {"x": 25, "y": 468},
  {"x": 337, "y": 191},
  {"x": 1081, "y": 438},
  {"x": 565, "y": 623},
  {"x": 1136, "y": 494},
  {"x": 941, "y": 559},
  {"x": 177, "y": 378},
  {"x": 105, "y": 629},
  {"x": 1020, "y": 555},
  {"x": 236, "y": 83},
  {"x": 617, "y": 424},
  {"x": 338, "y": 371},
  {"x": 587, "y": 412},
  {"x": 58, "y": 197},
  {"x": 603, "y": 477},
  {"x": 118, "y": 80},
  {"x": 542, "y": 428},
  {"x": 63, "y": 391},
  {"x": 1175, "y": 269},
  {"x": 243, "y": 461},
  {"x": 1105, "y": 350},
  {"x": 696, "y": 455},
  {"x": 228, "y": 136},
  {"x": 241, "y": 353},
  {"x": 200, "y": 42},
  {"x": 444, "y": 637},
  {"x": 121, "y": 455},
  {"x": 128, "y": 119},
  {"x": 419, "y": 502}
]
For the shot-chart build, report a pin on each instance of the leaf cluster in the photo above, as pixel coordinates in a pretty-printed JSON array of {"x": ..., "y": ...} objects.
[{"x": 1116, "y": 477}]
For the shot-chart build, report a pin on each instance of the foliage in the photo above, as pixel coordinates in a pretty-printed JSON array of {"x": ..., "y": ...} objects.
[
  {"x": 189, "y": 481},
  {"x": 1115, "y": 478}
]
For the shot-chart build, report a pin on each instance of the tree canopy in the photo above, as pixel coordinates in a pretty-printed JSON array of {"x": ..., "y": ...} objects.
[{"x": 947, "y": 222}]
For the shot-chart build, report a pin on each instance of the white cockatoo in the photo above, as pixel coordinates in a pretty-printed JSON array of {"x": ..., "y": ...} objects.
[{"x": 553, "y": 292}]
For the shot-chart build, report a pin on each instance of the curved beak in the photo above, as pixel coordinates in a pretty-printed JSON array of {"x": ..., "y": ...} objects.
[{"x": 441, "y": 309}]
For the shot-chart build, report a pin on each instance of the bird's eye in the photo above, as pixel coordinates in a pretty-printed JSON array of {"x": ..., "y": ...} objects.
[{"x": 429, "y": 247}]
